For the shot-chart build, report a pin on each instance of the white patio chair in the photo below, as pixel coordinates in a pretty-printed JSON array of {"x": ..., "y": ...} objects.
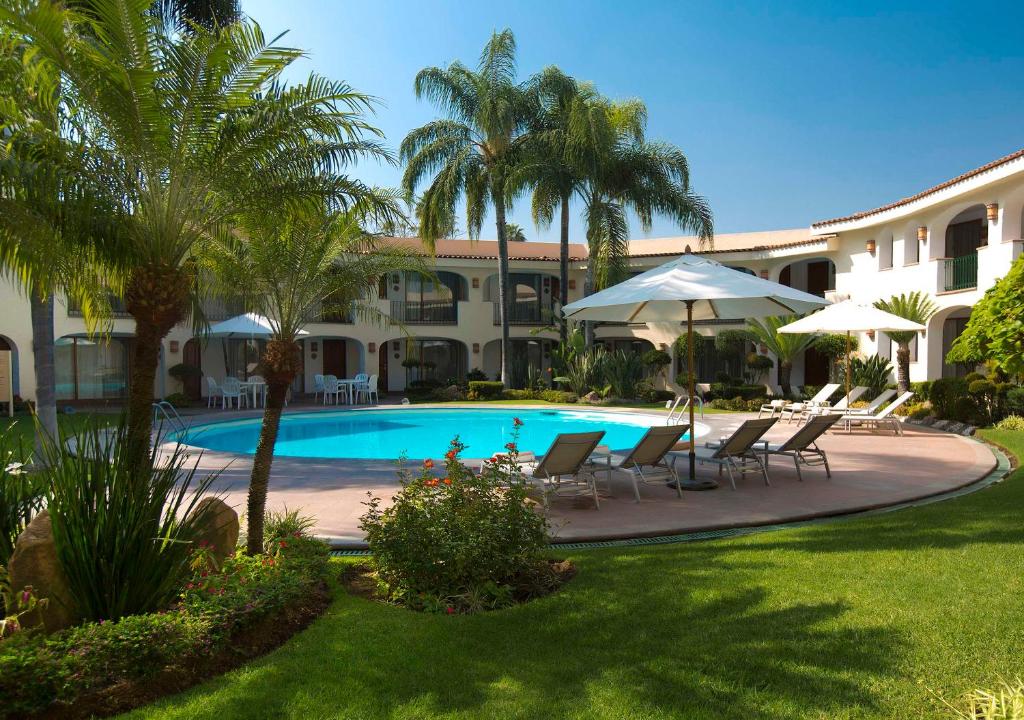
[
  {"x": 332, "y": 388},
  {"x": 798, "y": 409},
  {"x": 772, "y": 407},
  {"x": 369, "y": 390},
  {"x": 212, "y": 392},
  {"x": 885, "y": 417},
  {"x": 840, "y": 407},
  {"x": 231, "y": 390},
  {"x": 873, "y": 406},
  {"x": 318, "y": 386}
]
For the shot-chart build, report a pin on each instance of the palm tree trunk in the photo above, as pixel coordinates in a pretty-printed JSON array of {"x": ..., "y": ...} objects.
[
  {"x": 157, "y": 297},
  {"x": 280, "y": 365},
  {"x": 41, "y": 309},
  {"x": 259, "y": 482},
  {"x": 563, "y": 268},
  {"x": 785, "y": 370},
  {"x": 503, "y": 286},
  {"x": 588, "y": 289},
  {"x": 903, "y": 367}
]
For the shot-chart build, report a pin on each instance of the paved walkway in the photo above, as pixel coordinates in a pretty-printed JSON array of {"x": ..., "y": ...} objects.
[{"x": 869, "y": 470}]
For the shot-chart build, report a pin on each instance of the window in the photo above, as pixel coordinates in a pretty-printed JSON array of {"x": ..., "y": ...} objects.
[{"x": 91, "y": 370}]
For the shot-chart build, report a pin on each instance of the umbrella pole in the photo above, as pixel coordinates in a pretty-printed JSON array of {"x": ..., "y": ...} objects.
[
  {"x": 692, "y": 483},
  {"x": 849, "y": 370}
]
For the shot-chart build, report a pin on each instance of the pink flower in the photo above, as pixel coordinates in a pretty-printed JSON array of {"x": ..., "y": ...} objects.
[
  {"x": 450, "y": 610},
  {"x": 511, "y": 447},
  {"x": 516, "y": 422}
]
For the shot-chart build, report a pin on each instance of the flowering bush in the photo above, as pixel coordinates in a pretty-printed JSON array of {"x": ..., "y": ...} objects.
[
  {"x": 457, "y": 541},
  {"x": 37, "y": 671}
]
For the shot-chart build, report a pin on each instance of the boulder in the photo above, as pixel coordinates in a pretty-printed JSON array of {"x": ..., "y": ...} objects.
[
  {"x": 217, "y": 527},
  {"x": 592, "y": 397},
  {"x": 34, "y": 564}
]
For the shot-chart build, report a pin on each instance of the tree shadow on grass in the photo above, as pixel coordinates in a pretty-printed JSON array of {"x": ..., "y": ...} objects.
[{"x": 639, "y": 634}]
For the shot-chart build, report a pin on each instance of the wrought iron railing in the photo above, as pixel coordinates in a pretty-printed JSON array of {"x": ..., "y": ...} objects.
[
  {"x": 526, "y": 312},
  {"x": 117, "y": 308},
  {"x": 425, "y": 312},
  {"x": 960, "y": 273}
]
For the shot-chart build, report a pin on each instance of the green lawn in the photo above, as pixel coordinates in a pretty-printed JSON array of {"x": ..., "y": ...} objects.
[
  {"x": 855, "y": 619},
  {"x": 22, "y": 427}
]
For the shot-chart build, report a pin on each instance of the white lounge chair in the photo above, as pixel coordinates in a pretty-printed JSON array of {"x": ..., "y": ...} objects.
[
  {"x": 885, "y": 417},
  {"x": 772, "y": 407},
  {"x": 873, "y": 406},
  {"x": 565, "y": 464},
  {"x": 802, "y": 445},
  {"x": 735, "y": 452},
  {"x": 840, "y": 407},
  {"x": 820, "y": 399},
  {"x": 650, "y": 452}
]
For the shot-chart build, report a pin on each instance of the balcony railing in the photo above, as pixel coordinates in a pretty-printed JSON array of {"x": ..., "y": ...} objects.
[
  {"x": 425, "y": 312},
  {"x": 528, "y": 312},
  {"x": 960, "y": 273},
  {"x": 333, "y": 313},
  {"x": 217, "y": 310},
  {"x": 117, "y": 308}
]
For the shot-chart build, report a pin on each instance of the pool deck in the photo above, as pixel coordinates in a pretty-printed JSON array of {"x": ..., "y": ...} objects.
[{"x": 869, "y": 470}]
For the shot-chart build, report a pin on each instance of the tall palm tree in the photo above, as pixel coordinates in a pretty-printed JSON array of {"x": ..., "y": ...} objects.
[
  {"x": 515, "y": 232},
  {"x": 914, "y": 306},
  {"x": 189, "y": 129},
  {"x": 51, "y": 218},
  {"x": 591, "y": 148},
  {"x": 784, "y": 346},
  {"x": 286, "y": 266},
  {"x": 471, "y": 153}
]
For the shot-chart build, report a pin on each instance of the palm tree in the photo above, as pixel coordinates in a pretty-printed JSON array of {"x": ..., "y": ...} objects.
[
  {"x": 287, "y": 266},
  {"x": 515, "y": 232},
  {"x": 588, "y": 147},
  {"x": 784, "y": 346},
  {"x": 914, "y": 306},
  {"x": 50, "y": 217},
  {"x": 471, "y": 153},
  {"x": 188, "y": 130}
]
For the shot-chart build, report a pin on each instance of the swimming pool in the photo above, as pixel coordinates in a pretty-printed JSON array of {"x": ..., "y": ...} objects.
[{"x": 420, "y": 433}]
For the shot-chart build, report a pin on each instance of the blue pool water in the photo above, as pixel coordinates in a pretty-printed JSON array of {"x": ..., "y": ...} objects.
[{"x": 421, "y": 433}]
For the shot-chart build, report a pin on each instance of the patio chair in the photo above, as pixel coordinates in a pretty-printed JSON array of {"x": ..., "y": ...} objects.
[
  {"x": 735, "y": 452},
  {"x": 231, "y": 390},
  {"x": 566, "y": 464},
  {"x": 839, "y": 407},
  {"x": 212, "y": 392},
  {"x": 369, "y": 389},
  {"x": 332, "y": 388},
  {"x": 874, "y": 405},
  {"x": 819, "y": 399},
  {"x": 318, "y": 386},
  {"x": 772, "y": 407},
  {"x": 650, "y": 452},
  {"x": 802, "y": 445},
  {"x": 885, "y": 417}
]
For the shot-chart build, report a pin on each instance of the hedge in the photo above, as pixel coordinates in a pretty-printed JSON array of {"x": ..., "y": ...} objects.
[{"x": 485, "y": 390}]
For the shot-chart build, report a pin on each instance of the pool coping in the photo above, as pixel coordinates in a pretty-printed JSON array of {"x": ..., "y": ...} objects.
[{"x": 1000, "y": 470}]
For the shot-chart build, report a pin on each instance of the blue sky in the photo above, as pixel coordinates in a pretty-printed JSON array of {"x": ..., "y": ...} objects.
[{"x": 788, "y": 114}]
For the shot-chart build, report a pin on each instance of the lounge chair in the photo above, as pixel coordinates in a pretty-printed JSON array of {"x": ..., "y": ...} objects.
[
  {"x": 839, "y": 407},
  {"x": 772, "y": 407},
  {"x": 820, "y": 399},
  {"x": 736, "y": 451},
  {"x": 802, "y": 446},
  {"x": 885, "y": 417},
  {"x": 873, "y": 406},
  {"x": 566, "y": 463},
  {"x": 650, "y": 452}
]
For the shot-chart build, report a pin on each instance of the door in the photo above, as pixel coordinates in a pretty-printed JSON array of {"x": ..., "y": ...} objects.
[
  {"x": 382, "y": 366},
  {"x": 815, "y": 367},
  {"x": 192, "y": 354},
  {"x": 334, "y": 358},
  {"x": 817, "y": 278}
]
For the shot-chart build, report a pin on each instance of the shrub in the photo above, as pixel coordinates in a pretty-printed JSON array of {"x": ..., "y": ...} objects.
[
  {"x": 513, "y": 394},
  {"x": 656, "y": 360},
  {"x": 21, "y": 493},
  {"x": 872, "y": 372},
  {"x": 476, "y": 374},
  {"x": 922, "y": 390},
  {"x": 584, "y": 371},
  {"x": 983, "y": 393},
  {"x": 285, "y": 524},
  {"x": 973, "y": 377},
  {"x": 915, "y": 411},
  {"x": 485, "y": 390},
  {"x": 746, "y": 392},
  {"x": 944, "y": 394},
  {"x": 123, "y": 540},
  {"x": 1011, "y": 422},
  {"x": 36, "y": 671},
  {"x": 457, "y": 542},
  {"x": 559, "y": 396},
  {"x": 448, "y": 393},
  {"x": 623, "y": 372},
  {"x": 1015, "y": 401},
  {"x": 183, "y": 372},
  {"x": 178, "y": 400},
  {"x": 1004, "y": 703},
  {"x": 756, "y": 366},
  {"x": 966, "y": 410}
]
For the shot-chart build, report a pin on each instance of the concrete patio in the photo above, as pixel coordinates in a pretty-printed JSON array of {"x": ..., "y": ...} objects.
[{"x": 869, "y": 470}]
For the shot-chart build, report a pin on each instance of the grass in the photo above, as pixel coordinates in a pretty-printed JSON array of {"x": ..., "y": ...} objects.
[
  {"x": 625, "y": 406},
  {"x": 23, "y": 426},
  {"x": 865, "y": 618}
]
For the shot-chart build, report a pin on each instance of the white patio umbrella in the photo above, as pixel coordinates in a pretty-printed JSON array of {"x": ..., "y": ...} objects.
[
  {"x": 849, "y": 317},
  {"x": 698, "y": 289},
  {"x": 249, "y": 325}
]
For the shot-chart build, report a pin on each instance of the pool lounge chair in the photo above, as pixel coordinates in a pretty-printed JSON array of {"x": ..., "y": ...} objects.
[
  {"x": 737, "y": 451},
  {"x": 885, "y": 417},
  {"x": 839, "y": 407},
  {"x": 802, "y": 445},
  {"x": 874, "y": 405},
  {"x": 820, "y": 399},
  {"x": 650, "y": 453},
  {"x": 772, "y": 407},
  {"x": 566, "y": 464}
]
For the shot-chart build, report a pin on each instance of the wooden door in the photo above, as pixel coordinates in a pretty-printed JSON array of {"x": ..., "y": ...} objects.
[
  {"x": 817, "y": 277},
  {"x": 192, "y": 354},
  {"x": 334, "y": 358},
  {"x": 815, "y": 367},
  {"x": 382, "y": 366}
]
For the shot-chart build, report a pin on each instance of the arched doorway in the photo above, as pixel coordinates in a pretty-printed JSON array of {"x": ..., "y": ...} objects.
[
  {"x": 814, "y": 275},
  {"x": 429, "y": 361},
  {"x": 943, "y": 328},
  {"x": 965, "y": 233},
  {"x": 192, "y": 382},
  {"x": 7, "y": 344}
]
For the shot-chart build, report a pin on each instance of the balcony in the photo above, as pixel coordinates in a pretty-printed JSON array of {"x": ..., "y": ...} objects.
[
  {"x": 117, "y": 309},
  {"x": 526, "y": 312},
  {"x": 424, "y": 312},
  {"x": 334, "y": 313},
  {"x": 959, "y": 273}
]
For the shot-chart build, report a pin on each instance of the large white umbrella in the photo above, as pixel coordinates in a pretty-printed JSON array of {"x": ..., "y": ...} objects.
[
  {"x": 849, "y": 317},
  {"x": 698, "y": 289},
  {"x": 249, "y": 325}
]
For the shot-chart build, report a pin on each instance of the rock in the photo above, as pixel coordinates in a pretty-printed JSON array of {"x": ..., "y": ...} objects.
[
  {"x": 218, "y": 527},
  {"x": 592, "y": 397},
  {"x": 955, "y": 427},
  {"x": 929, "y": 420},
  {"x": 34, "y": 563},
  {"x": 940, "y": 424},
  {"x": 968, "y": 430}
]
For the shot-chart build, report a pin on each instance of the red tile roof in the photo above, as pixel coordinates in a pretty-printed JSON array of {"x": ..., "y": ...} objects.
[
  {"x": 488, "y": 250},
  {"x": 925, "y": 193}
]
